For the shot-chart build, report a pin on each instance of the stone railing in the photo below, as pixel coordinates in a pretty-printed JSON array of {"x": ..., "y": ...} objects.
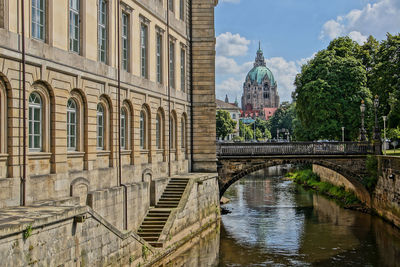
[{"x": 293, "y": 148}]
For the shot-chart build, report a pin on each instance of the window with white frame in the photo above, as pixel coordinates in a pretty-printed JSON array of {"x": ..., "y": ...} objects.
[
  {"x": 143, "y": 130},
  {"x": 102, "y": 31},
  {"x": 100, "y": 127},
  {"x": 74, "y": 25},
  {"x": 125, "y": 41},
  {"x": 39, "y": 19},
  {"x": 35, "y": 122},
  {"x": 183, "y": 74},
  {"x": 143, "y": 50},
  {"x": 71, "y": 124},
  {"x": 158, "y": 132},
  {"x": 123, "y": 128},
  {"x": 159, "y": 47},
  {"x": 172, "y": 64}
]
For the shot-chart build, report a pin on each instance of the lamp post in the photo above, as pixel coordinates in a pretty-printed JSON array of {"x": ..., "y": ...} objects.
[
  {"x": 342, "y": 134},
  {"x": 377, "y": 137},
  {"x": 362, "y": 134},
  {"x": 384, "y": 134}
]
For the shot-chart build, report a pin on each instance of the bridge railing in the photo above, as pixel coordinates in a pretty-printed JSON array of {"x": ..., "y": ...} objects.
[{"x": 294, "y": 148}]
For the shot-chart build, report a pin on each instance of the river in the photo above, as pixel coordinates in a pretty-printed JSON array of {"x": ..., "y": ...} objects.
[{"x": 274, "y": 222}]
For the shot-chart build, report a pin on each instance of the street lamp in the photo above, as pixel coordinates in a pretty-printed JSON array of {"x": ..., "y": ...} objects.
[
  {"x": 384, "y": 133},
  {"x": 362, "y": 134},
  {"x": 377, "y": 137},
  {"x": 342, "y": 134}
]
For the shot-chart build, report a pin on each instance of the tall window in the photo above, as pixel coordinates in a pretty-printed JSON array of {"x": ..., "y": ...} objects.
[
  {"x": 183, "y": 133},
  {"x": 100, "y": 126},
  {"x": 143, "y": 130},
  {"x": 183, "y": 74},
  {"x": 266, "y": 94},
  {"x": 71, "y": 124},
  {"x": 74, "y": 28},
  {"x": 102, "y": 31},
  {"x": 158, "y": 132},
  {"x": 171, "y": 5},
  {"x": 172, "y": 134},
  {"x": 125, "y": 41},
  {"x": 35, "y": 122},
  {"x": 123, "y": 128},
  {"x": 182, "y": 9},
  {"x": 39, "y": 19},
  {"x": 159, "y": 57},
  {"x": 172, "y": 64},
  {"x": 143, "y": 50},
  {"x": 1, "y": 13}
]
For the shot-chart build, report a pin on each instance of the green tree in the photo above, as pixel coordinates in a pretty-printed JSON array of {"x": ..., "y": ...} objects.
[
  {"x": 245, "y": 131},
  {"x": 225, "y": 124},
  {"x": 282, "y": 119},
  {"x": 259, "y": 134},
  {"x": 328, "y": 93},
  {"x": 385, "y": 79}
]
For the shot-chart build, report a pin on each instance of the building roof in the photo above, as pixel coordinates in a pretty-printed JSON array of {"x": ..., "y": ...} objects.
[
  {"x": 227, "y": 106},
  {"x": 258, "y": 74}
]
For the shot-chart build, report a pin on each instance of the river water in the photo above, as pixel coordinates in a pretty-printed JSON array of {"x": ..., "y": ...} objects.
[{"x": 274, "y": 222}]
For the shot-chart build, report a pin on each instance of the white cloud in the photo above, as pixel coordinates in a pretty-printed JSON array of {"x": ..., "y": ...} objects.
[
  {"x": 232, "y": 87},
  {"x": 374, "y": 19},
  {"x": 225, "y": 65},
  {"x": 358, "y": 37},
  {"x": 284, "y": 72},
  {"x": 231, "y": 45}
]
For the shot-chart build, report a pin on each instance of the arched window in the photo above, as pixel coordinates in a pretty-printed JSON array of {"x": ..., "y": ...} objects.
[
  {"x": 3, "y": 118},
  {"x": 35, "y": 122},
  {"x": 158, "y": 132},
  {"x": 123, "y": 128},
  {"x": 100, "y": 127},
  {"x": 71, "y": 124},
  {"x": 143, "y": 130},
  {"x": 183, "y": 133}
]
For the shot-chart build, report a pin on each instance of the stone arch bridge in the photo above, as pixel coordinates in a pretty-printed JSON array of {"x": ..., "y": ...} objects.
[{"x": 347, "y": 159}]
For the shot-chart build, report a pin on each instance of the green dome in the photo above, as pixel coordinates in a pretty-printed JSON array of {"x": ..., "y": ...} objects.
[{"x": 258, "y": 74}]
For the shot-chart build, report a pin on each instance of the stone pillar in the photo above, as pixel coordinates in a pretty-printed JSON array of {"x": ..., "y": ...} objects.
[{"x": 203, "y": 86}]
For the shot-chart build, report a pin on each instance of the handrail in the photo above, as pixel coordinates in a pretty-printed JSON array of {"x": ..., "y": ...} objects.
[{"x": 294, "y": 148}]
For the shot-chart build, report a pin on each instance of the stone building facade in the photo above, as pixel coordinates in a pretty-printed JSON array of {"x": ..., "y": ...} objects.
[
  {"x": 260, "y": 89},
  {"x": 72, "y": 119}
]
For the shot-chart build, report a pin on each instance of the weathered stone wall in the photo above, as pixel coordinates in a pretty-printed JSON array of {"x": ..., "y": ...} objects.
[
  {"x": 199, "y": 206},
  {"x": 330, "y": 176},
  {"x": 65, "y": 242},
  {"x": 386, "y": 196}
]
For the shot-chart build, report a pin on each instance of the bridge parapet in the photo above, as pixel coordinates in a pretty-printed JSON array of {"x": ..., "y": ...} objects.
[{"x": 293, "y": 148}]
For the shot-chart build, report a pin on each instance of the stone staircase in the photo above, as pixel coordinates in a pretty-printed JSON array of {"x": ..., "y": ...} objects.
[{"x": 155, "y": 220}]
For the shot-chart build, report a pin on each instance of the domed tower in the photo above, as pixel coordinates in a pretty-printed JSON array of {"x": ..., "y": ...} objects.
[{"x": 260, "y": 89}]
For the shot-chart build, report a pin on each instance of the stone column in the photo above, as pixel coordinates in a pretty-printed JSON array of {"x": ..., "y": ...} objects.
[{"x": 203, "y": 86}]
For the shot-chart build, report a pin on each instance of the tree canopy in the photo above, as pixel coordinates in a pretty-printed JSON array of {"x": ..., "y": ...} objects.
[
  {"x": 225, "y": 124},
  {"x": 329, "y": 91}
]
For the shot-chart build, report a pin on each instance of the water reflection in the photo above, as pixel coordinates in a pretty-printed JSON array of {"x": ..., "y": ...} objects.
[{"x": 274, "y": 222}]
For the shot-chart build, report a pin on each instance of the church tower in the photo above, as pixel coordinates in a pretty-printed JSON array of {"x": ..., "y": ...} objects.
[{"x": 260, "y": 89}]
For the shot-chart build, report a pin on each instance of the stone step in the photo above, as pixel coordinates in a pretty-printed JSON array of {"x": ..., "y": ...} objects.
[
  {"x": 170, "y": 199},
  {"x": 165, "y": 201},
  {"x": 158, "y": 215},
  {"x": 147, "y": 227},
  {"x": 166, "y": 206},
  {"x": 156, "y": 244},
  {"x": 149, "y": 239},
  {"x": 162, "y": 219},
  {"x": 145, "y": 223},
  {"x": 174, "y": 190},
  {"x": 150, "y": 230},
  {"x": 150, "y": 234}
]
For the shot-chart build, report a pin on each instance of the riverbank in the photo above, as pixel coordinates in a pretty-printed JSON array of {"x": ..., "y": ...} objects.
[{"x": 310, "y": 180}]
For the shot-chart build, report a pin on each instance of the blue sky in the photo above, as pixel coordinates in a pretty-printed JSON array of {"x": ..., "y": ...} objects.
[{"x": 290, "y": 31}]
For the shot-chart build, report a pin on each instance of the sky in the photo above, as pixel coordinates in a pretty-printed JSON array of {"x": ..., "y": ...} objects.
[{"x": 290, "y": 32}]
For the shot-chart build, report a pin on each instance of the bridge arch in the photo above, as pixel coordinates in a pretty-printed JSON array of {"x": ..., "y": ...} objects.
[{"x": 245, "y": 167}]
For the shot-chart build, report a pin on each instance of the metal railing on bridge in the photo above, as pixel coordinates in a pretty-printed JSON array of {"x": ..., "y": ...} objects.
[{"x": 293, "y": 148}]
